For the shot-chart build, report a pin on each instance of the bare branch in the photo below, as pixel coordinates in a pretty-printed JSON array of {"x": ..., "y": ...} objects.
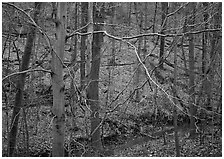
[
  {"x": 147, "y": 34},
  {"x": 26, "y": 71}
]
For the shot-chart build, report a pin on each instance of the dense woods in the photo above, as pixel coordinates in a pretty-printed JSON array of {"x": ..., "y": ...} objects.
[{"x": 111, "y": 79}]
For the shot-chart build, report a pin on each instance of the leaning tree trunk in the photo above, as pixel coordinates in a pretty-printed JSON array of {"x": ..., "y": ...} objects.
[
  {"x": 21, "y": 82},
  {"x": 93, "y": 90},
  {"x": 57, "y": 83}
]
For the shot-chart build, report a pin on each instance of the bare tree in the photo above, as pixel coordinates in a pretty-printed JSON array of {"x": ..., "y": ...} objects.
[
  {"x": 177, "y": 144},
  {"x": 112, "y": 60},
  {"x": 162, "y": 39},
  {"x": 21, "y": 82},
  {"x": 139, "y": 21},
  {"x": 84, "y": 19},
  {"x": 57, "y": 82},
  {"x": 93, "y": 89},
  {"x": 191, "y": 19}
]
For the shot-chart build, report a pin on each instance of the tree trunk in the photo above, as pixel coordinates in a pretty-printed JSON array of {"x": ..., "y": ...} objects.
[
  {"x": 204, "y": 40},
  {"x": 74, "y": 53},
  {"x": 139, "y": 21},
  {"x": 145, "y": 26},
  {"x": 89, "y": 40},
  {"x": 203, "y": 70},
  {"x": 215, "y": 47},
  {"x": 73, "y": 95},
  {"x": 129, "y": 6},
  {"x": 93, "y": 90},
  {"x": 154, "y": 18},
  {"x": 214, "y": 43},
  {"x": 112, "y": 60},
  {"x": 26, "y": 132},
  {"x": 162, "y": 39},
  {"x": 177, "y": 145},
  {"x": 57, "y": 83},
  {"x": 191, "y": 11},
  {"x": 21, "y": 82},
  {"x": 84, "y": 19}
]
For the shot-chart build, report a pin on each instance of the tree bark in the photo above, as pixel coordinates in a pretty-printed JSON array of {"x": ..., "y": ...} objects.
[
  {"x": 84, "y": 19},
  {"x": 139, "y": 21},
  {"x": 129, "y": 6},
  {"x": 177, "y": 144},
  {"x": 21, "y": 82},
  {"x": 191, "y": 11},
  {"x": 89, "y": 40},
  {"x": 112, "y": 60},
  {"x": 58, "y": 84},
  {"x": 73, "y": 95},
  {"x": 203, "y": 69},
  {"x": 204, "y": 40},
  {"x": 214, "y": 43},
  {"x": 154, "y": 18},
  {"x": 162, "y": 39},
  {"x": 93, "y": 90}
]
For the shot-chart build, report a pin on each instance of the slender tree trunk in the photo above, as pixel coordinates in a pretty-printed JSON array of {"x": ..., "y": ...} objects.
[
  {"x": 182, "y": 43},
  {"x": 21, "y": 82},
  {"x": 84, "y": 19},
  {"x": 177, "y": 145},
  {"x": 93, "y": 90},
  {"x": 139, "y": 21},
  {"x": 129, "y": 5},
  {"x": 214, "y": 42},
  {"x": 191, "y": 11},
  {"x": 90, "y": 39},
  {"x": 58, "y": 84},
  {"x": 74, "y": 53},
  {"x": 204, "y": 41},
  {"x": 144, "y": 50},
  {"x": 74, "y": 38},
  {"x": 73, "y": 95},
  {"x": 154, "y": 18},
  {"x": 112, "y": 61},
  {"x": 145, "y": 26},
  {"x": 26, "y": 132},
  {"x": 162, "y": 39},
  {"x": 205, "y": 84},
  {"x": 203, "y": 69}
]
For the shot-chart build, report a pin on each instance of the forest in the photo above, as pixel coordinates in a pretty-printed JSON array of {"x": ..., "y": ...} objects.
[{"x": 118, "y": 79}]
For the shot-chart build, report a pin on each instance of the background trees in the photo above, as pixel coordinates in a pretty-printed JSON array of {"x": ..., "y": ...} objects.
[{"x": 110, "y": 76}]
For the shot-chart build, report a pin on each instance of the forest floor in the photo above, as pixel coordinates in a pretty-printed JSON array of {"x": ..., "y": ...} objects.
[
  {"x": 145, "y": 146},
  {"x": 189, "y": 147}
]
